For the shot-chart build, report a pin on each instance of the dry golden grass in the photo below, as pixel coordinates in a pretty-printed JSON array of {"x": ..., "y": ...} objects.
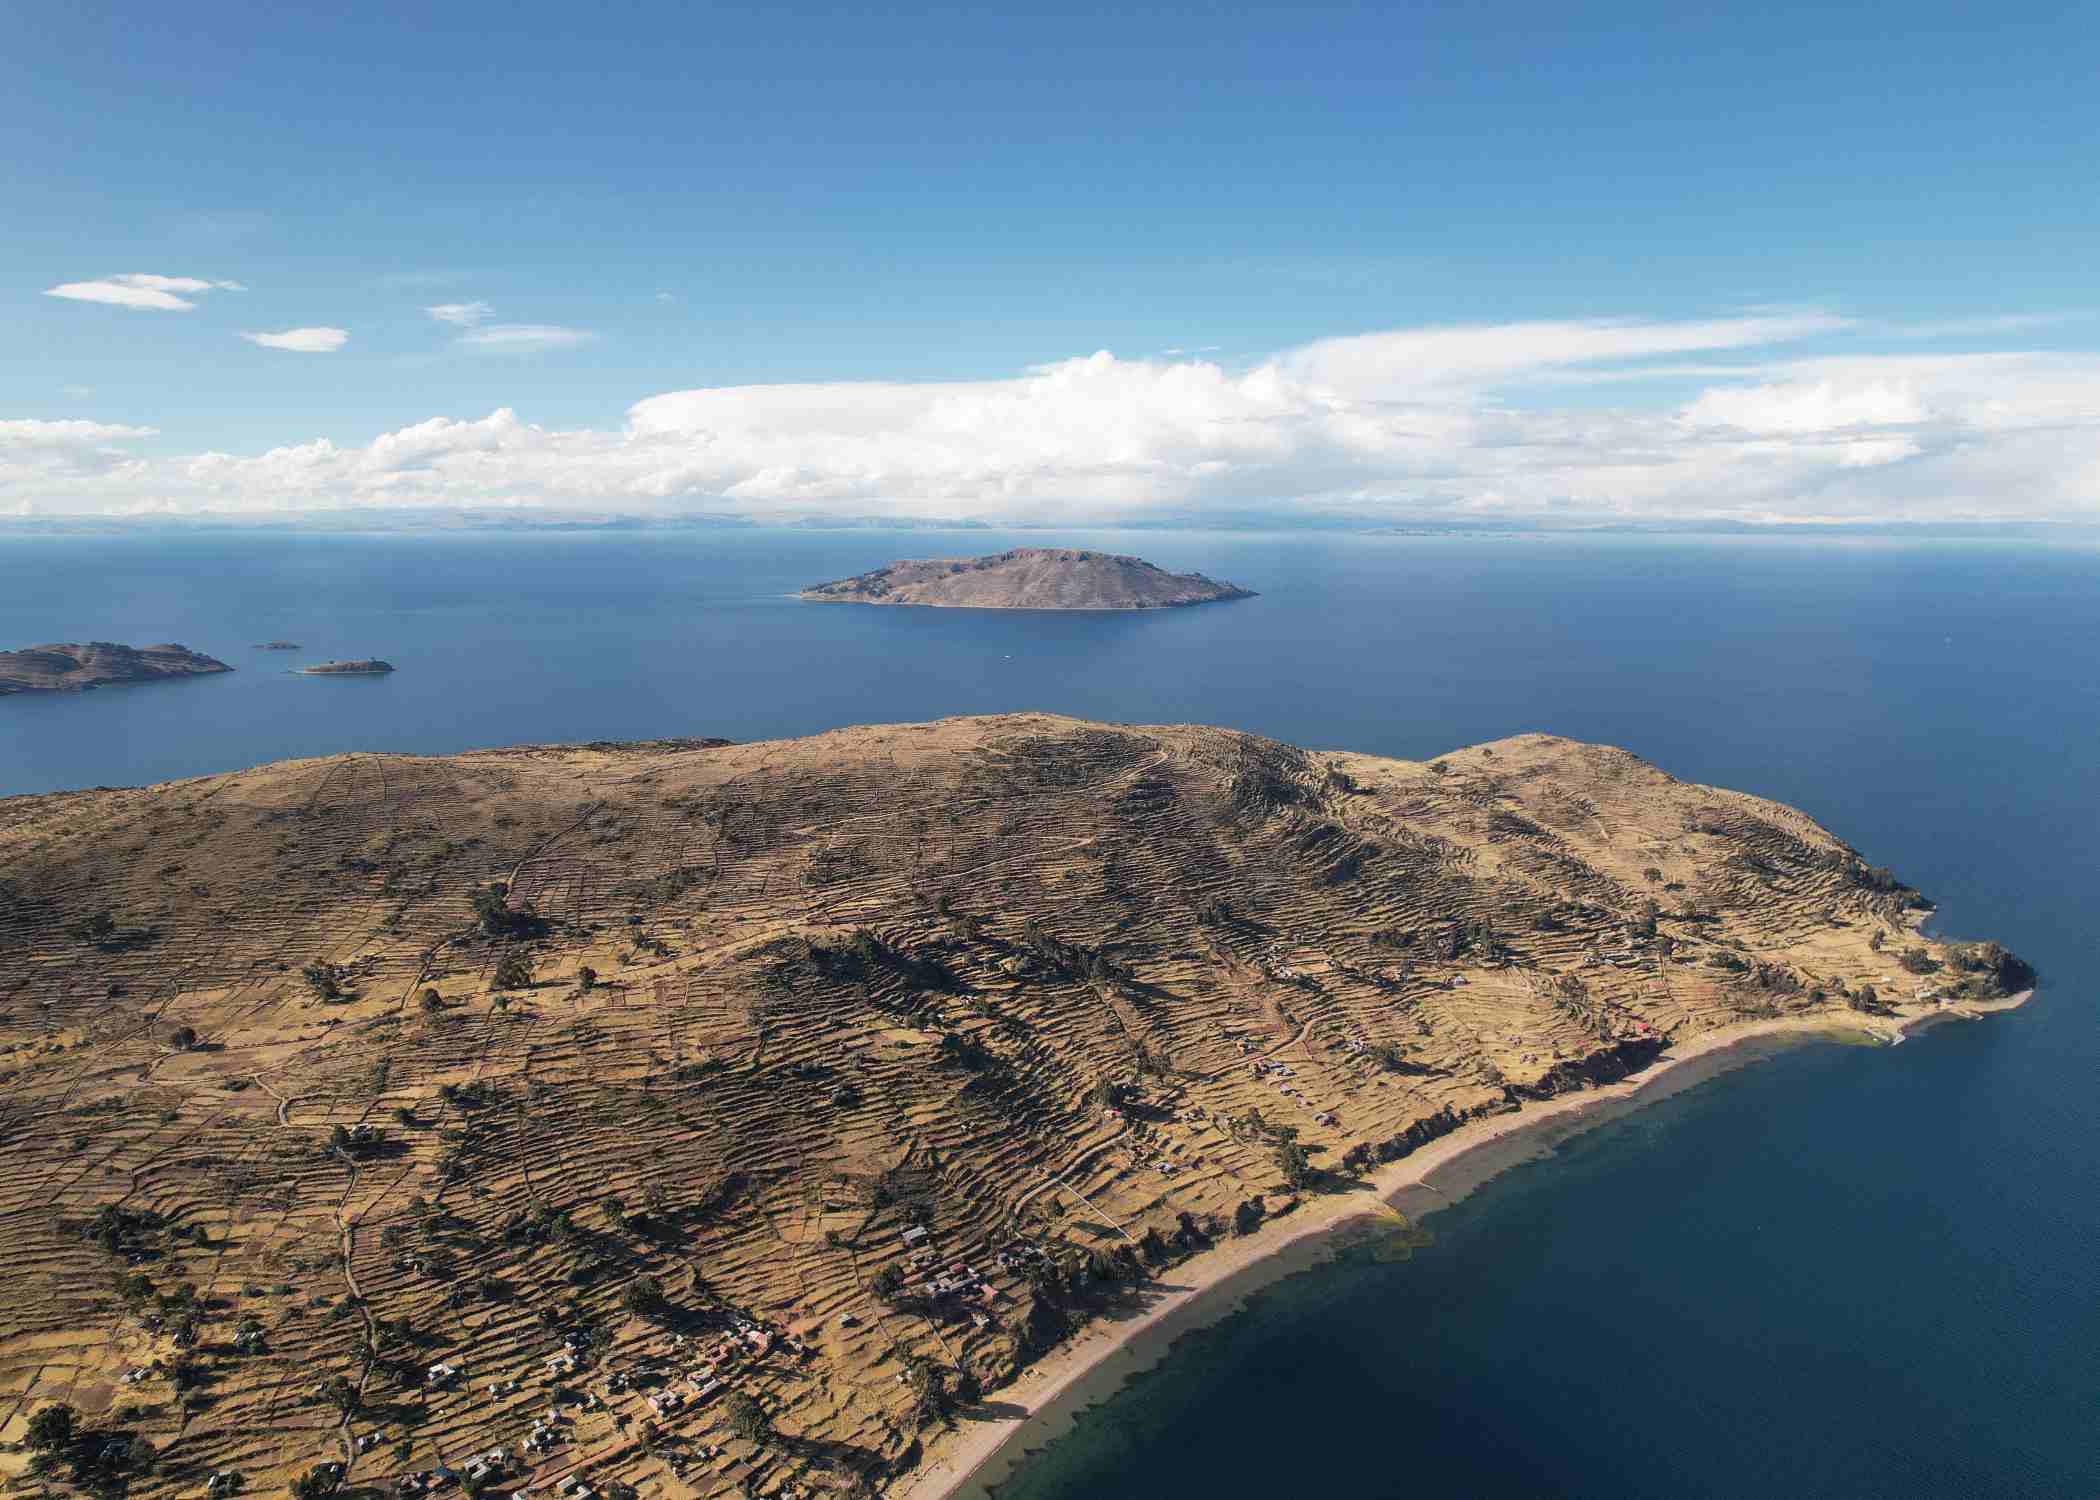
[{"x": 845, "y": 985}]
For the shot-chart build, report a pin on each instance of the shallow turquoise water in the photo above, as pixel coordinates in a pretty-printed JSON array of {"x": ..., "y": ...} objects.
[{"x": 1843, "y": 1272}]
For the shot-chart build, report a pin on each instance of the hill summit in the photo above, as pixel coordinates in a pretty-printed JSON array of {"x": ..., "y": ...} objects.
[{"x": 1027, "y": 578}]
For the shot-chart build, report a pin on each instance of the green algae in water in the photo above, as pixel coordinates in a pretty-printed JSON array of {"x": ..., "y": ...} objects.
[{"x": 1384, "y": 1243}]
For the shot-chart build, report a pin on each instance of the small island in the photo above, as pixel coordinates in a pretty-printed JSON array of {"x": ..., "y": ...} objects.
[
  {"x": 76, "y": 667},
  {"x": 371, "y": 667},
  {"x": 1027, "y": 578},
  {"x": 277, "y": 646}
]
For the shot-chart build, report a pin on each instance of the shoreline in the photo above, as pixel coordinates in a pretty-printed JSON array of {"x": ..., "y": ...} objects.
[{"x": 1212, "y": 1286}]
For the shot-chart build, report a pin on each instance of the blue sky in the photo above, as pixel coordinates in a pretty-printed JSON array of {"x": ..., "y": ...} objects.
[{"x": 634, "y": 201}]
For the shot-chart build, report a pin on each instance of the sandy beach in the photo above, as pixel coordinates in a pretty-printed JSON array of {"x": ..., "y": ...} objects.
[{"x": 1043, "y": 1402}]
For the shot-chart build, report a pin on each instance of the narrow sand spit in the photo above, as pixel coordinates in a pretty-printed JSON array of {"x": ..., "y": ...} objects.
[{"x": 1204, "y": 1291}]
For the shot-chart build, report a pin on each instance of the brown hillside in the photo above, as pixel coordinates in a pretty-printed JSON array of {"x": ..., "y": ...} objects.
[
  {"x": 906, "y": 1050},
  {"x": 1027, "y": 578}
]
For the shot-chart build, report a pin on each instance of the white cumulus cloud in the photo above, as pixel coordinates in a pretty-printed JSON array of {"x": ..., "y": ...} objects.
[
  {"x": 66, "y": 456},
  {"x": 461, "y": 314},
  {"x": 524, "y": 338},
  {"x": 1808, "y": 406},
  {"x": 302, "y": 340},
  {"x": 139, "y": 290},
  {"x": 72, "y": 433}
]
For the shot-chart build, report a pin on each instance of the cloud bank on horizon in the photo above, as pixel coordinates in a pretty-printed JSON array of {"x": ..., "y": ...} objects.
[{"x": 1538, "y": 419}]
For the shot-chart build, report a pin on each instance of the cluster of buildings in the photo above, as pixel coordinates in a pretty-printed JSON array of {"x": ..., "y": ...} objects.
[
  {"x": 746, "y": 1338},
  {"x": 546, "y": 1433},
  {"x": 1276, "y": 1075},
  {"x": 956, "y": 1279},
  {"x": 1018, "y": 1255}
]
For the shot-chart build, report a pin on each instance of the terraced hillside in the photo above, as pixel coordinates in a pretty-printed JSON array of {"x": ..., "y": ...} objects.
[{"x": 695, "y": 1117}]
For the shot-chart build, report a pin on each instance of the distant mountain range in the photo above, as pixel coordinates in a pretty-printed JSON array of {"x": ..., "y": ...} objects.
[{"x": 511, "y": 520}]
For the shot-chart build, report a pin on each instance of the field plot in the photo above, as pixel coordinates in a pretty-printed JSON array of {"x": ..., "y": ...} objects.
[{"x": 688, "y": 1118}]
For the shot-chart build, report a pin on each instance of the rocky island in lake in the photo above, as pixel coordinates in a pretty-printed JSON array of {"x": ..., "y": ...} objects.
[
  {"x": 372, "y": 667},
  {"x": 277, "y": 646},
  {"x": 76, "y": 667},
  {"x": 920, "y": 1044},
  {"x": 1027, "y": 578}
]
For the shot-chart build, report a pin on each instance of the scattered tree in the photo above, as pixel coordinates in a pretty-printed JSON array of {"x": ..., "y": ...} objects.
[
  {"x": 644, "y": 1297},
  {"x": 317, "y": 1483},
  {"x": 97, "y": 928},
  {"x": 929, "y": 1388},
  {"x": 1993, "y": 967},
  {"x": 513, "y": 972},
  {"x": 1045, "y": 1322},
  {"x": 1248, "y": 1216},
  {"x": 341, "y": 1393},
  {"x": 747, "y": 1419},
  {"x": 52, "y": 1429},
  {"x": 492, "y": 908}
]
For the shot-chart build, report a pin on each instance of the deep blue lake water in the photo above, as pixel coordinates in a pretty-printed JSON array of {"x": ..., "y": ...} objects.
[{"x": 1842, "y": 1272}]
